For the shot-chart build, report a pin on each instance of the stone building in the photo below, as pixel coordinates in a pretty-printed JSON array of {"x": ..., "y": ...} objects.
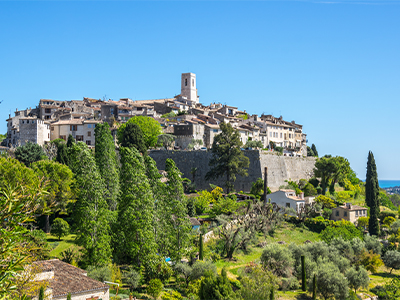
[
  {"x": 348, "y": 212},
  {"x": 81, "y": 130},
  {"x": 64, "y": 278}
]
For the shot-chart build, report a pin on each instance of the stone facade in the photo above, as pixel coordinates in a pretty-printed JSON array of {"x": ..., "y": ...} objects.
[{"x": 280, "y": 168}]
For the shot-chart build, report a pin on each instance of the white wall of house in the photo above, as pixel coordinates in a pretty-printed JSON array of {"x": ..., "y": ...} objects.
[{"x": 281, "y": 198}]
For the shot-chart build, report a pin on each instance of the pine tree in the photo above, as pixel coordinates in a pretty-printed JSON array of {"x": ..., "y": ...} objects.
[
  {"x": 106, "y": 161},
  {"x": 132, "y": 137},
  {"x": 372, "y": 194},
  {"x": 136, "y": 243},
  {"x": 91, "y": 210},
  {"x": 201, "y": 247},
  {"x": 70, "y": 141}
]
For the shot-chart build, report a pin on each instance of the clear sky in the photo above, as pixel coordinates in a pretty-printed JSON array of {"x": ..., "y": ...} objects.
[{"x": 332, "y": 66}]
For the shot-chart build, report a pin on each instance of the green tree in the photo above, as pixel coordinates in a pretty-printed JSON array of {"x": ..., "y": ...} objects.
[
  {"x": 107, "y": 163},
  {"x": 59, "y": 181},
  {"x": 175, "y": 212},
  {"x": 325, "y": 168},
  {"x": 100, "y": 273},
  {"x": 277, "y": 259},
  {"x": 330, "y": 282},
  {"x": 62, "y": 154},
  {"x": 257, "y": 188},
  {"x": 155, "y": 288},
  {"x": 166, "y": 140},
  {"x": 132, "y": 137},
  {"x": 69, "y": 296},
  {"x": 41, "y": 293},
  {"x": 60, "y": 228},
  {"x": 201, "y": 247},
  {"x": 256, "y": 283},
  {"x": 91, "y": 213},
  {"x": 29, "y": 153},
  {"x": 151, "y": 129},
  {"x": 228, "y": 160},
  {"x": 136, "y": 243},
  {"x": 391, "y": 259},
  {"x": 372, "y": 194},
  {"x": 357, "y": 277},
  {"x": 310, "y": 152},
  {"x": 131, "y": 279},
  {"x": 314, "y": 150},
  {"x": 254, "y": 144},
  {"x": 216, "y": 287},
  {"x": 70, "y": 141}
]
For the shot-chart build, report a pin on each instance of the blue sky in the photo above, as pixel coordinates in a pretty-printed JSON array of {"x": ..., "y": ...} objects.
[{"x": 333, "y": 66}]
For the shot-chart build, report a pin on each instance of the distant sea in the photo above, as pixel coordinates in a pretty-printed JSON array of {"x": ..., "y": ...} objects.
[{"x": 388, "y": 183}]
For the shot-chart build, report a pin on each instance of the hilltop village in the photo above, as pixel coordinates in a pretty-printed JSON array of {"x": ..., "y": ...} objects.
[{"x": 182, "y": 116}]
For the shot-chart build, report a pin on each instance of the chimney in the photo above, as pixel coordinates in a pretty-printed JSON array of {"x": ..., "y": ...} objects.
[{"x": 302, "y": 196}]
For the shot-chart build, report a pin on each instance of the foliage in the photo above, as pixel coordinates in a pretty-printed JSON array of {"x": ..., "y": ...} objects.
[
  {"x": 131, "y": 279},
  {"x": 59, "y": 183},
  {"x": 325, "y": 201},
  {"x": 194, "y": 143},
  {"x": 17, "y": 206},
  {"x": 314, "y": 150},
  {"x": 171, "y": 114},
  {"x": 372, "y": 194},
  {"x": 371, "y": 261},
  {"x": 60, "y": 228},
  {"x": 172, "y": 295},
  {"x": 264, "y": 217},
  {"x": 310, "y": 152},
  {"x": 216, "y": 287},
  {"x": 277, "y": 259},
  {"x": 391, "y": 259},
  {"x": 254, "y": 144},
  {"x": 155, "y": 288},
  {"x": 201, "y": 269},
  {"x": 91, "y": 209},
  {"x": 107, "y": 163},
  {"x": 102, "y": 273},
  {"x": 132, "y": 137},
  {"x": 151, "y": 129},
  {"x": 62, "y": 154},
  {"x": 388, "y": 221},
  {"x": 372, "y": 243},
  {"x": 357, "y": 277},
  {"x": 346, "y": 232},
  {"x": 70, "y": 141},
  {"x": 166, "y": 140},
  {"x": 256, "y": 283},
  {"x": 29, "y": 153},
  {"x": 279, "y": 149},
  {"x": 330, "y": 170},
  {"x": 257, "y": 188},
  {"x": 390, "y": 291},
  {"x": 136, "y": 243},
  {"x": 225, "y": 205},
  {"x": 69, "y": 296},
  {"x": 309, "y": 190},
  {"x": 227, "y": 160},
  {"x": 330, "y": 282},
  {"x": 363, "y": 222}
]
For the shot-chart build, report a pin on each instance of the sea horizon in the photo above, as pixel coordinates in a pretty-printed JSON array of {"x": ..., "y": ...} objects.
[{"x": 388, "y": 183}]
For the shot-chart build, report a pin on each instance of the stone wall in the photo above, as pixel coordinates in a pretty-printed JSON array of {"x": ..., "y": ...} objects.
[{"x": 280, "y": 168}]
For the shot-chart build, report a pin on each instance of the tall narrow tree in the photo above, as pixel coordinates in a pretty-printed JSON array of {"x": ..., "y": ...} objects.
[
  {"x": 91, "y": 209},
  {"x": 131, "y": 136},
  {"x": 372, "y": 194},
  {"x": 136, "y": 243},
  {"x": 106, "y": 161},
  {"x": 175, "y": 212}
]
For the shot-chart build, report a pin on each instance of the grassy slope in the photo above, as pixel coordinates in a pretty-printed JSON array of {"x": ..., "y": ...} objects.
[{"x": 64, "y": 244}]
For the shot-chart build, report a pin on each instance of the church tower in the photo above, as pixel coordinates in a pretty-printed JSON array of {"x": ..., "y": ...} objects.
[{"x": 188, "y": 87}]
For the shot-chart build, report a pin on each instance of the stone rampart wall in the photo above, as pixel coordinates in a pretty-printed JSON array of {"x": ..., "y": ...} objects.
[{"x": 280, "y": 168}]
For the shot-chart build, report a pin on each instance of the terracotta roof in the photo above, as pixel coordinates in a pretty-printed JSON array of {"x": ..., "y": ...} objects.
[
  {"x": 70, "y": 279},
  {"x": 69, "y": 122},
  {"x": 194, "y": 222},
  {"x": 353, "y": 207}
]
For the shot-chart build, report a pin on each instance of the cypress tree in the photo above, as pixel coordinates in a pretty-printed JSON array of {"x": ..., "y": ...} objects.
[
  {"x": 91, "y": 210},
  {"x": 70, "y": 141},
  {"x": 271, "y": 295},
  {"x": 106, "y": 161},
  {"x": 314, "y": 288},
  {"x": 62, "y": 155},
  {"x": 201, "y": 247},
  {"x": 303, "y": 274},
  {"x": 41, "y": 293},
  {"x": 372, "y": 194},
  {"x": 314, "y": 150},
  {"x": 69, "y": 296},
  {"x": 132, "y": 137},
  {"x": 136, "y": 243}
]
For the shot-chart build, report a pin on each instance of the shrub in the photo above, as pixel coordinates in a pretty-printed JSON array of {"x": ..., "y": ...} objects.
[
  {"x": 59, "y": 228},
  {"x": 278, "y": 259},
  {"x": 101, "y": 274},
  {"x": 155, "y": 288},
  {"x": 171, "y": 295}
]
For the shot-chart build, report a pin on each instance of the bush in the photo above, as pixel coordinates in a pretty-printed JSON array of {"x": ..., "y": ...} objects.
[
  {"x": 277, "y": 259},
  {"x": 59, "y": 228},
  {"x": 101, "y": 274},
  {"x": 131, "y": 279},
  {"x": 171, "y": 295},
  {"x": 385, "y": 213},
  {"x": 155, "y": 288}
]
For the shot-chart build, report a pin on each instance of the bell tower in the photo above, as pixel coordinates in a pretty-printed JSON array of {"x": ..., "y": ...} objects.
[{"x": 188, "y": 87}]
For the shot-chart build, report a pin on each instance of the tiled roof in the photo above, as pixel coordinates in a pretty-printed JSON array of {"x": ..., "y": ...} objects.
[{"x": 70, "y": 279}]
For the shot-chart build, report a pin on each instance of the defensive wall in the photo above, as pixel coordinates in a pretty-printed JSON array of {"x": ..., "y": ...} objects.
[{"x": 280, "y": 168}]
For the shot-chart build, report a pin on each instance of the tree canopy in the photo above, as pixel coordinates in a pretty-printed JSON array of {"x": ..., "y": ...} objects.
[
  {"x": 151, "y": 129},
  {"x": 29, "y": 153},
  {"x": 132, "y": 137},
  {"x": 228, "y": 159}
]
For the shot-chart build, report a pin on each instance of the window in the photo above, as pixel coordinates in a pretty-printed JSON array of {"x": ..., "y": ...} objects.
[
  {"x": 270, "y": 134},
  {"x": 48, "y": 135},
  {"x": 63, "y": 137},
  {"x": 52, "y": 128},
  {"x": 79, "y": 138},
  {"x": 215, "y": 130},
  {"x": 192, "y": 82},
  {"x": 73, "y": 127},
  {"x": 89, "y": 125},
  {"x": 288, "y": 205},
  {"x": 47, "y": 111},
  {"x": 281, "y": 134},
  {"x": 33, "y": 121},
  {"x": 186, "y": 82},
  {"x": 88, "y": 142},
  {"x": 337, "y": 213},
  {"x": 27, "y": 121},
  {"x": 345, "y": 213},
  {"x": 89, "y": 133}
]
